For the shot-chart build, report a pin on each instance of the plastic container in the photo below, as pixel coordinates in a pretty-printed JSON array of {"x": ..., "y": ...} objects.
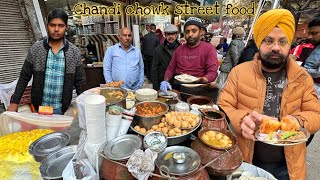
[{"x": 17, "y": 122}]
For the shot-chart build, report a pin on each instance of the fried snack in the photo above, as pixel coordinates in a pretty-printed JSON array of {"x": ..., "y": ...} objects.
[
  {"x": 289, "y": 125},
  {"x": 269, "y": 125},
  {"x": 113, "y": 84},
  {"x": 46, "y": 110}
]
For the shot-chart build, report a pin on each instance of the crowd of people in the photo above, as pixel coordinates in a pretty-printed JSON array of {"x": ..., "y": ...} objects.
[{"x": 260, "y": 80}]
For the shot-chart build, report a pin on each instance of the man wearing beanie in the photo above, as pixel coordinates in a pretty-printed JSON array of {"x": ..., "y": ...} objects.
[
  {"x": 163, "y": 54},
  {"x": 272, "y": 85},
  {"x": 196, "y": 58}
]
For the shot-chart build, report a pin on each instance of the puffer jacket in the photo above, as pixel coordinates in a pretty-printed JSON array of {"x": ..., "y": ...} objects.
[
  {"x": 149, "y": 43},
  {"x": 245, "y": 91},
  {"x": 161, "y": 59},
  {"x": 232, "y": 56}
]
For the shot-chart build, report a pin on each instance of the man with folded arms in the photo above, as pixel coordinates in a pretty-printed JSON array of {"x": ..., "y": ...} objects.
[
  {"x": 196, "y": 58},
  {"x": 272, "y": 85}
]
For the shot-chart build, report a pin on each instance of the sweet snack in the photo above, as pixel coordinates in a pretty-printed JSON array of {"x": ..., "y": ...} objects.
[{"x": 46, "y": 110}]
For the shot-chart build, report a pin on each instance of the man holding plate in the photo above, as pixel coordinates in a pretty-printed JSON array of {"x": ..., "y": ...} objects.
[
  {"x": 270, "y": 87},
  {"x": 195, "y": 58}
]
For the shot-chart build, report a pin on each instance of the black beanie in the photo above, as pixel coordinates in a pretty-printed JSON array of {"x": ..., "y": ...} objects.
[{"x": 193, "y": 21}]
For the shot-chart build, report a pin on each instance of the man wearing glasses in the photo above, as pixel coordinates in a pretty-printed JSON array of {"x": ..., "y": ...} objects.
[
  {"x": 123, "y": 62},
  {"x": 312, "y": 63},
  {"x": 272, "y": 85}
]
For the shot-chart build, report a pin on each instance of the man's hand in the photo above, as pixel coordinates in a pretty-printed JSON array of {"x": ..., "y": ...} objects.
[
  {"x": 250, "y": 123},
  {"x": 212, "y": 85},
  {"x": 13, "y": 107},
  {"x": 300, "y": 122},
  {"x": 164, "y": 86},
  {"x": 202, "y": 80}
]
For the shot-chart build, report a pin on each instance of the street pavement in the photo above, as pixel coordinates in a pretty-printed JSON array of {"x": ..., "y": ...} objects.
[{"x": 313, "y": 158}]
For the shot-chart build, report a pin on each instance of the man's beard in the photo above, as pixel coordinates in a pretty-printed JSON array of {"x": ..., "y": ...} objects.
[
  {"x": 273, "y": 62},
  {"x": 315, "y": 43},
  {"x": 193, "y": 41}
]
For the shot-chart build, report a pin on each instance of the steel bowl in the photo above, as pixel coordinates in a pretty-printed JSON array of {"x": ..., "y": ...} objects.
[
  {"x": 148, "y": 121},
  {"x": 113, "y": 101},
  {"x": 174, "y": 139},
  {"x": 54, "y": 164},
  {"x": 48, "y": 144}
]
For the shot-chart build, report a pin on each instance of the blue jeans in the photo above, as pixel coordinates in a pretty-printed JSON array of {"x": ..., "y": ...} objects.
[{"x": 278, "y": 170}]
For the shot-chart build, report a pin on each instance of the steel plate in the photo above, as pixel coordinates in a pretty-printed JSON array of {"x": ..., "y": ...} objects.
[
  {"x": 191, "y": 164},
  {"x": 53, "y": 165},
  {"x": 49, "y": 143},
  {"x": 122, "y": 147}
]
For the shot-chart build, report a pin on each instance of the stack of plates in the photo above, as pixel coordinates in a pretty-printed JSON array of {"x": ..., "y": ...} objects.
[{"x": 146, "y": 94}]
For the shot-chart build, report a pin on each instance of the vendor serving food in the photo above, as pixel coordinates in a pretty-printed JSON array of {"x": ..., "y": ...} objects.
[
  {"x": 272, "y": 86},
  {"x": 196, "y": 58}
]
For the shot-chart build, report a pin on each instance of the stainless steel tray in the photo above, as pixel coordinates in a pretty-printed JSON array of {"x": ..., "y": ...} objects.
[
  {"x": 53, "y": 165},
  {"x": 48, "y": 144},
  {"x": 122, "y": 147},
  {"x": 191, "y": 164}
]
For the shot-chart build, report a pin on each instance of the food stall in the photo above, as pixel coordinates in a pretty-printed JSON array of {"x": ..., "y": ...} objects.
[{"x": 146, "y": 135}]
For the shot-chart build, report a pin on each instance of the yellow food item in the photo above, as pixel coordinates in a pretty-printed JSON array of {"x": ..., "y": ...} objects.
[
  {"x": 216, "y": 139},
  {"x": 177, "y": 124},
  {"x": 205, "y": 137},
  {"x": 161, "y": 125},
  {"x": 177, "y": 130},
  {"x": 137, "y": 128},
  {"x": 172, "y": 132},
  {"x": 164, "y": 130},
  {"x": 219, "y": 136},
  {"x": 154, "y": 127},
  {"x": 14, "y": 147},
  {"x": 14, "y": 155},
  {"x": 184, "y": 120},
  {"x": 143, "y": 130},
  {"x": 168, "y": 156},
  {"x": 211, "y": 133}
]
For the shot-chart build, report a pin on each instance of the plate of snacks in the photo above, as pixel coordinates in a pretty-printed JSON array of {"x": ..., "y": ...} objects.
[
  {"x": 287, "y": 132},
  {"x": 186, "y": 78}
]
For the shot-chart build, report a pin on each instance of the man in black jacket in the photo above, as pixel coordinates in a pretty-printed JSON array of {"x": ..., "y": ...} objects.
[
  {"x": 149, "y": 43},
  {"x": 248, "y": 52},
  {"x": 56, "y": 68},
  {"x": 163, "y": 54}
]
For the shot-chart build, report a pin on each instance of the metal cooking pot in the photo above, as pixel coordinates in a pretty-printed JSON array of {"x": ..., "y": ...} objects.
[
  {"x": 148, "y": 122},
  {"x": 174, "y": 139},
  {"x": 112, "y": 101}
]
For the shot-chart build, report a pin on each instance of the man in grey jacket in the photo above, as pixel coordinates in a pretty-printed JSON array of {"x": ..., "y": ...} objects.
[
  {"x": 232, "y": 57},
  {"x": 163, "y": 54},
  {"x": 55, "y": 66}
]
